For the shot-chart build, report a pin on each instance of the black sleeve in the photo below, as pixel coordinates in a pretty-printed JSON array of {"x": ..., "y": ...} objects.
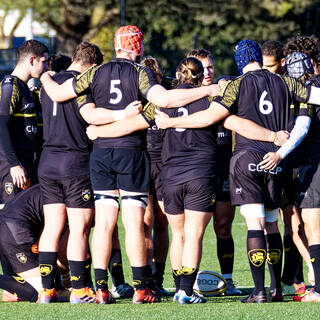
[{"x": 5, "y": 141}]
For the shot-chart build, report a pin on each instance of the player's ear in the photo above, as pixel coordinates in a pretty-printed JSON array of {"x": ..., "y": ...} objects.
[
  {"x": 283, "y": 62},
  {"x": 31, "y": 60}
]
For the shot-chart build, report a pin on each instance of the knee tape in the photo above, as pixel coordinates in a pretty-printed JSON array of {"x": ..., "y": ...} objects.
[
  {"x": 252, "y": 211},
  {"x": 107, "y": 199},
  {"x": 272, "y": 215},
  {"x": 138, "y": 200}
]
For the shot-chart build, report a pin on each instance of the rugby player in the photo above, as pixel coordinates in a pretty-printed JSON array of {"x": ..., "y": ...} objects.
[
  {"x": 18, "y": 120},
  {"x": 65, "y": 183},
  {"x": 120, "y": 166},
  {"x": 224, "y": 212},
  {"x": 273, "y": 57},
  {"x": 255, "y": 179},
  {"x": 21, "y": 223}
]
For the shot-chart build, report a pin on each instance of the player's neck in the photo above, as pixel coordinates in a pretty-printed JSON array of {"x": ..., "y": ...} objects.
[
  {"x": 126, "y": 55},
  {"x": 21, "y": 72},
  {"x": 252, "y": 66}
]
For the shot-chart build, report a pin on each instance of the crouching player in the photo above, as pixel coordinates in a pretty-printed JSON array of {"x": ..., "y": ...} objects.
[{"x": 21, "y": 223}]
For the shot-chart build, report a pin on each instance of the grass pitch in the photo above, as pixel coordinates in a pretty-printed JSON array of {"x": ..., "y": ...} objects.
[{"x": 216, "y": 307}]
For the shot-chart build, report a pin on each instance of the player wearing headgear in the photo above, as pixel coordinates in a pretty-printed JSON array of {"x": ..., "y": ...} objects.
[
  {"x": 21, "y": 223},
  {"x": 309, "y": 188},
  {"x": 255, "y": 180},
  {"x": 18, "y": 120},
  {"x": 65, "y": 182},
  {"x": 120, "y": 166},
  {"x": 274, "y": 61},
  {"x": 223, "y": 211}
]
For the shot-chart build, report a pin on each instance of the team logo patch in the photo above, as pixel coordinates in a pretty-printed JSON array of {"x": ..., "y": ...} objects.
[
  {"x": 102, "y": 282},
  {"x": 19, "y": 279},
  {"x": 22, "y": 257},
  {"x": 273, "y": 256},
  {"x": 257, "y": 257},
  {"x": 8, "y": 187},
  {"x": 35, "y": 248},
  {"x": 86, "y": 195},
  {"x": 45, "y": 269}
]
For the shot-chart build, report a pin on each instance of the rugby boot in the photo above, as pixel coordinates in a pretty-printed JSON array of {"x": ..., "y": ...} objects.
[
  {"x": 145, "y": 296},
  {"x": 84, "y": 295},
  {"x": 232, "y": 290},
  {"x": 47, "y": 296},
  {"x": 104, "y": 297},
  {"x": 183, "y": 298},
  {"x": 122, "y": 291},
  {"x": 275, "y": 296},
  {"x": 260, "y": 297}
]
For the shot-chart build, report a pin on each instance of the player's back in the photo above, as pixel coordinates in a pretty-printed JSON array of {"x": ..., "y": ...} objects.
[{"x": 64, "y": 129}]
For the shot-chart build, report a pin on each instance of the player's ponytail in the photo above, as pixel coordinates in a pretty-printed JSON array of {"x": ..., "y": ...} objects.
[{"x": 190, "y": 70}]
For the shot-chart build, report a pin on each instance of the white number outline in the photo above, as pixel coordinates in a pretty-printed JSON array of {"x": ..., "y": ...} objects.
[
  {"x": 184, "y": 112},
  {"x": 263, "y": 103},
  {"x": 117, "y": 91}
]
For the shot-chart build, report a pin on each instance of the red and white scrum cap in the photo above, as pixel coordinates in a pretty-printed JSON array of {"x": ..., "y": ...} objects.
[{"x": 129, "y": 39}]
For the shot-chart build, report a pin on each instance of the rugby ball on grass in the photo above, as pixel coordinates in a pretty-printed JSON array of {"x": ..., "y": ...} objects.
[{"x": 209, "y": 283}]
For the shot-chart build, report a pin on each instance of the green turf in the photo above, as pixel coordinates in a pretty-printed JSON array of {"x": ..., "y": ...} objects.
[{"x": 216, "y": 307}]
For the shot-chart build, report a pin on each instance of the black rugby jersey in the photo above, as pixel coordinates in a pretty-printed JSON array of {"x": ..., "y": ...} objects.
[
  {"x": 64, "y": 129},
  {"x": 188, "y": 154},
  {"x": 66, "y": 146},
  {"x": 114, "y": 85},
  {"x": 24, "y": 212},
  {"x": 265, "y": 98},
  {"x": 17, "y": 103},
  {"x": 311, "y": 144}
]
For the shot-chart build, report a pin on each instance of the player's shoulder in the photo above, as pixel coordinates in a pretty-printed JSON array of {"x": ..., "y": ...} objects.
[{"x": 9, "y": 81}]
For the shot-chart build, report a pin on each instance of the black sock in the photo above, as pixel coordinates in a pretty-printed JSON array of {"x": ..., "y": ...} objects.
[
  {"x": 18, "y": 286},
  {"x": 315, "y": 259},
  {"x": 291, "y": 260},
  {"x": 149, "y": 277},
  {"x": 274, "y": 259},
  {"x": 256, "y": 248},
  {"x": 57, "y": 278},
  {"x": 176, "y": 278},
  {"x": 139, "y": 277},
  {"x": 47, "y": 264},
  {"x": 115, "y": 267},
  {"x": 158, "y": 272},
  {"x": 188, "y": 278},
  {"x": 298, "y": 277},
  {"x": 225, "y": 251},
  {"x": 101, "y": 279},
  {"x": 88, "y": 278},
  {"x": 78, "y": 274}
]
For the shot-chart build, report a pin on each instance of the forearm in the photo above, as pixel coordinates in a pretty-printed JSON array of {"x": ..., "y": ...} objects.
[
  {"x": 247, "y": 128},
  {"x": 56, "y": 92},
  {"x": 297, "y": 134},
  {"x": 314, "y": 96},
  {"x": 100, "y": 116},
  {"x": 122, "y": 127}
]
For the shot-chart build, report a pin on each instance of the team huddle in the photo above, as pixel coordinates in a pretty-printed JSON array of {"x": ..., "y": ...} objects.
[{"x": 99, "y": 136}]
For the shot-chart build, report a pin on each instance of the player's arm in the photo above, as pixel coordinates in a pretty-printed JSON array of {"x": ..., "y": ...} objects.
[
  {"x": 314, "y": 97},
  {"x": 98, "y": 116},
  {"x": 298, "y": 133},
  {"x": 200, "y": 119},
  {"x": 179, "y": 97},
  {"x": 118, "y": 129},
  {"x": 253, "y": 131},
  {"x": 57, "y": 92},
  {"x": 7, "y": 104}
]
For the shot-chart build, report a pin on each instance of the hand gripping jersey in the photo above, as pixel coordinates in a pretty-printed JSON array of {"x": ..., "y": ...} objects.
[{"x": 113, "y": 86}]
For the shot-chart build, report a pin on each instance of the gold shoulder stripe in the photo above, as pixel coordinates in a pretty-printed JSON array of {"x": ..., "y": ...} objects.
[{"x": 30, "y": 115}]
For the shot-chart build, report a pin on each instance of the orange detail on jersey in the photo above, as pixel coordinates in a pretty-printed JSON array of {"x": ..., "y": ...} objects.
[{"x": 35, "y": 248}]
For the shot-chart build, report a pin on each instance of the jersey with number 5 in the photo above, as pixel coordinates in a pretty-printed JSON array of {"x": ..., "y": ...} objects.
[
  {"x": 114, "y": 85},
  {"x": 265, "y": 98}
]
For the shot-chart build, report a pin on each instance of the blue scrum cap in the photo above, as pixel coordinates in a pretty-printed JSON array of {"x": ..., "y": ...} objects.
[
  {"x": 247, "y": 51},
  {"x": 298, "y": 64}
]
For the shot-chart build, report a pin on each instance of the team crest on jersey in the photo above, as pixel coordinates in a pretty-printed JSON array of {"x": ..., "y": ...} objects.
[
  {"x": 257, "y": 256},
  {"x": 86, "y": 195},
  {"x": 8, "y": 186},
  {"x": 22, "y": 257},
  {"x": 45, "y": 269},
  {"x": 35, "y": 248},
  {"x": 273, "y": 256}
]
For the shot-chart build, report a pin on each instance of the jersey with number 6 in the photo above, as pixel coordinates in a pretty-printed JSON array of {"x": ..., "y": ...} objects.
[
  {"x": 265, "y": 98},
  {"x": 114, "y": 85}
]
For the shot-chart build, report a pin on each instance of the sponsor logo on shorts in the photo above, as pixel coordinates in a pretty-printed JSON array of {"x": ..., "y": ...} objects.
[
  {"x": 8, "y": 186},
  {"x": 22, "y": 257},
  {"x": 273, "y": 256},
  {"x": 35, "y": 248},
  {"x": 257, "y": 256},
  {"x": 19, "y": 279},
  {"x": 226, "y": 186},
  {"x": 45, "y": 269},
  {"x": 86, "y": 195},
  {"x": 238, "y": 190},
  {"x": 256, "y": 168}
]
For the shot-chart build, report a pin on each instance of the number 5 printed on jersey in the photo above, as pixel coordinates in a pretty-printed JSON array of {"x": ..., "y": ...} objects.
[{"x": 116, "y": 92}]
